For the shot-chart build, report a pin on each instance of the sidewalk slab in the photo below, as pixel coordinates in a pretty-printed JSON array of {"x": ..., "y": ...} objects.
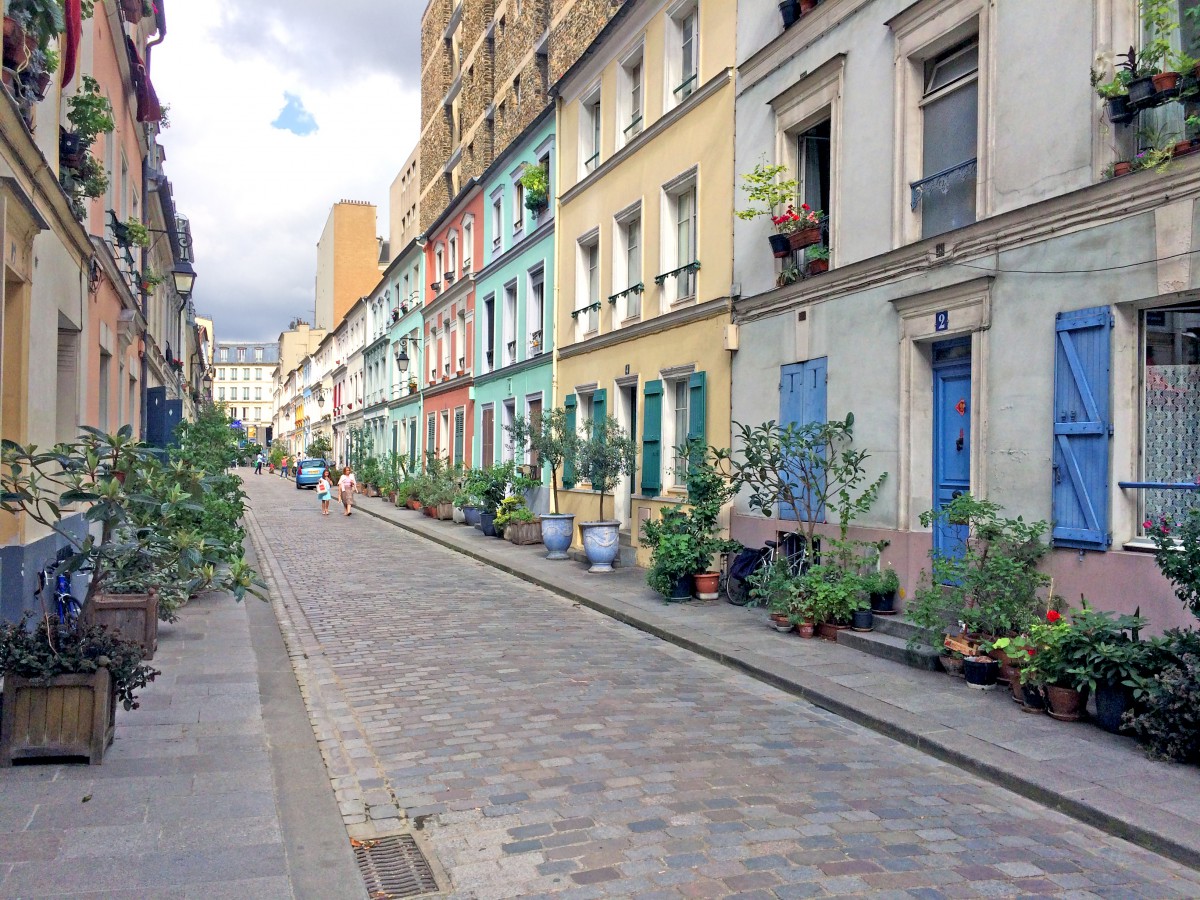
[
  {"x": 207, "y": 790},
  {"x": 1098, "y": 778}
]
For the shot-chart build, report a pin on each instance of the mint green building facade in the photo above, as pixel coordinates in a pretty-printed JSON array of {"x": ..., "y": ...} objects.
[
  {"x": 514, "y": 297},
  {"x": 406, "y": 275}
]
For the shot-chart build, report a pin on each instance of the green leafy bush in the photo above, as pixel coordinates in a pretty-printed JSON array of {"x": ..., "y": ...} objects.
[{"x": 1168, "y": 725}]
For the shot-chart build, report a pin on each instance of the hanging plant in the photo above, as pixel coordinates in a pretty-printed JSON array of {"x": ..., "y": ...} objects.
[
  {"x": 136, "y": 233},
  {"x": 90, "y": 112},
  {"x": 536, "y": 182}
]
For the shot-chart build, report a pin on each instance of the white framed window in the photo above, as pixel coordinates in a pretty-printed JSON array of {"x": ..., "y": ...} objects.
[
  {"x": 462, "y": 341},
  {"x": 468, "y": 247},
  {"x": 630, "y": 101},
  {"x": 683, "y": 53},
  {"x": 220, "y": 374},
  {"x": 443, "y": 446},
  {"x": 258, "y": 354},
  {"x": 587, "y": 293},
  {"x": 509, "y": 324},
  {"x": 451, "y": 256},
  {"x": 508, "y": 413},
  {"x": 942, "y": 87},
  {"x": 489, "y": 333},
  {"x": 497, "y": 221},
  {"x": 679, "y": 239},
  {"x": 589, "y": 137},
  {"x": 535, "y": 311},
  {"x": 949, "y": 140},
  {"x": 533, "y": 415},
  {"x": 518, "y": 207},
  {"x": 245, "y": 374},
  {"x": 439, "y": 263},
  {"x": 627, "y": 263},
  {"x": 677, "y": 429}
]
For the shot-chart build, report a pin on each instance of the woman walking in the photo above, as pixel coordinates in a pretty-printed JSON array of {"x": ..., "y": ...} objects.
[
  {"x": 347, "y": 485},
  {"x": 325, "y": 491}
]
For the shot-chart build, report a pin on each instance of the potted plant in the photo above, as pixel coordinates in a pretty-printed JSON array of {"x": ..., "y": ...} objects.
[
  {"x": 990, "y": 582},
  {"x": 709, "y": 490},
  {"x": 605, "y": 455},
  {"x": 553, "y": 441},
  {"x": 1115, "y": 93},
  {"x": 952, "y": 662},
  {"x": 1056, "y": 656},
  {"x": 882, "y": 586},
  {"x": 517, "y": 522},
  {"x": 676, "y": 560},
  {"x": 1110, "y": 661},
  {"x": 536, "y": 181},
  {"x": 981, "y": 672},
  {"x": 817, "y": 257},
  {"x": 770, "y": 196}
]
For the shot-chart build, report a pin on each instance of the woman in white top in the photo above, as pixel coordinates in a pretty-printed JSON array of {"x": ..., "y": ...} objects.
[{"x": 347, "y": 485}]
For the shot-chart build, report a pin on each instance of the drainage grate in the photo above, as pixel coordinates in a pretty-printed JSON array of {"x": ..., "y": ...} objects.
[{"x": 394, "y": 867}]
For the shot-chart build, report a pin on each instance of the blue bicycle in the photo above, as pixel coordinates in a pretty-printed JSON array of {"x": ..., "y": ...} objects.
[{"x": 67, "y": 609}]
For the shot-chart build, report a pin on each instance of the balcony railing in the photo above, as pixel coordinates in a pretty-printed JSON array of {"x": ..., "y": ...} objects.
[{"x": 942, "y": 181}]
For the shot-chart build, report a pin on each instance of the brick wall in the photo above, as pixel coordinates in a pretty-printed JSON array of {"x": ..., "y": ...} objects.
[{"x": 575, "y": 24}]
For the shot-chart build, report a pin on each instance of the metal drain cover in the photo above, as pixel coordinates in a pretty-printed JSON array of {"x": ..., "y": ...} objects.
[{"x": 394, "y": 867}]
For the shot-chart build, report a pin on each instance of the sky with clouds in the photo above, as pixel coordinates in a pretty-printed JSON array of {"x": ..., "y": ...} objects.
[{"x": 279, "y": 109}]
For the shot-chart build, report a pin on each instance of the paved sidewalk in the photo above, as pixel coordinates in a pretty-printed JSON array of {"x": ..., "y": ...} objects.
[
  {"x": 1102, "y": 779},
  {"x": 212, "y": 789}
]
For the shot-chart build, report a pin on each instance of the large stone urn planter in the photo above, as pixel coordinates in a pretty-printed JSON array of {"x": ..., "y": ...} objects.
[
  {"x": 134, "y": 617},
  {"x": 68, "y": 715},
  {"x": 558, "y": 529},
  {"x": 602, "y": 543}
]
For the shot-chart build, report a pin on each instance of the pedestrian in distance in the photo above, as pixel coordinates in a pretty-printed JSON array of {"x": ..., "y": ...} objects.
[
  {"x": 286, "y": 459},
  {"x": 325, "y": 491},
  {"x": 347, "y": 485},
  {"x": 258, "y": 464}
]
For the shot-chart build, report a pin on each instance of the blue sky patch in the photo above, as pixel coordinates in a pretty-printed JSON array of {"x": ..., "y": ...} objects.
[{"x": 294, "y": 117}]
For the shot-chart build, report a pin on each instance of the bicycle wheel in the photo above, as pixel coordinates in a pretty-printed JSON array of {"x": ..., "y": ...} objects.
[{"x": 737, "y": 591}]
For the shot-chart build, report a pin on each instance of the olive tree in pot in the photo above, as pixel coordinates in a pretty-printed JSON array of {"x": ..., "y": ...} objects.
[
  {"x": 605, "y": 455},
  {"x": 552, "y": 440}
]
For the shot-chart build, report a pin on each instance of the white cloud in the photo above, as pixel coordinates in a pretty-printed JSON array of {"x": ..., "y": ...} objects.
[{"x": 258, "y": 196}]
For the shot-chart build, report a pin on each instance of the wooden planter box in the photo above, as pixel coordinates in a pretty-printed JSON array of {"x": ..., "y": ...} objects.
[
  {"x": 71, "y": 715},
  {"x": 523, "y": 532},
  {"x": 445, "y": 511},
  {"x": 132, "y": 616}
]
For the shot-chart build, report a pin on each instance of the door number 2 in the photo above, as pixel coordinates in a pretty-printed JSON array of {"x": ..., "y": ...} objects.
[{"x": 941, "y": 320}]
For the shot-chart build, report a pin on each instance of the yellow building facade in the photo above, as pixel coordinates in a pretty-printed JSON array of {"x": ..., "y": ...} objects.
[{"x": 644, "y": 243}]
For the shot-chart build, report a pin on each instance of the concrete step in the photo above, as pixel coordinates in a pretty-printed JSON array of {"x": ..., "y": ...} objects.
[
  {"x": 889, "y": 646},
  {"x": 626, "y": 557},
  {"x": 897, "y": 626}
]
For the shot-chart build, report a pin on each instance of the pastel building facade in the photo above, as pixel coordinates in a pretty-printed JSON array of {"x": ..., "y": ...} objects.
[
  {"x": 453, "y": 248},
  {"x": 514, "y": 311},
  {"x": 644, "y": 258},
  {"x": 407, "y": 277},
  {"x": 1000, "y": 317}
]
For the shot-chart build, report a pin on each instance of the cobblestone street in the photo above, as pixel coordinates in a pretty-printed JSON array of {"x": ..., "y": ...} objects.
[{"x": 539, "y": 747}]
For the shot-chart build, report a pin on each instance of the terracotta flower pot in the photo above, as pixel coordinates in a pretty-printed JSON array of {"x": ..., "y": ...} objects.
[
  {"x": 828, "y": 631},
  {"x": 805, "y": 237},
  {"x": 780, "y": 622},
  {"x": 708, "y": 585},
  {"x": 1122, "y": 168},
  {"x": 952, "y": 665},
  {"x": 807, "y": 5},
  {"x": 1066, "y": 704},
  {"x": 818, "y": 266},
  {"x": 805, "y": 629},
  {"x": 1166, "y": 81}
]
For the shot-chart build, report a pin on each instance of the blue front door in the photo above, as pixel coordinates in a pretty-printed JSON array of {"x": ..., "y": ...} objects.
[{"x": 951, "y": 438}]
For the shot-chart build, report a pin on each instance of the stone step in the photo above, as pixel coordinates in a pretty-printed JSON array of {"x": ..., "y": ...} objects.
[
  {"x": 897, "y": 626},
  {"x": 889, "y": 646},
  {"x": 626, "y": 557}
]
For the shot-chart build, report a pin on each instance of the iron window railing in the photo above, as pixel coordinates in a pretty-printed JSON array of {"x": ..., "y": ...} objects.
[{"x": 942, "y": 181}]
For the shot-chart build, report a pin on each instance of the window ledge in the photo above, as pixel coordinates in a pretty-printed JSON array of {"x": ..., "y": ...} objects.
[{"x": 1139, "y": 545}]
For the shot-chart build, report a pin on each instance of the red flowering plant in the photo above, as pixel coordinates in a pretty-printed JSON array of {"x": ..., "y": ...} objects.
[
  {"x": 793, "y": 220},
  {"x": 1087, "y": 648},
  {"x": 1177, "y": 553}
]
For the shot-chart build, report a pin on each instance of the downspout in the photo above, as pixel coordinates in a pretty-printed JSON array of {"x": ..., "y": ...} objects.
[{"x": 145, "y": 254}]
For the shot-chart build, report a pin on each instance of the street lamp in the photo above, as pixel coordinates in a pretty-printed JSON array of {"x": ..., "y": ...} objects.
[
  {"x": 185, "y": 278},
  {"x": 206, "y": 383},
  {"x": 320, "y": 399},
  {"x": 402, "y": 359}
]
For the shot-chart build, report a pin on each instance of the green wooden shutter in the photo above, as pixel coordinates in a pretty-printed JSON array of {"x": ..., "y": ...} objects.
[
  {"x": 600, "y": 407},
  {"x": 697, "y": 407},
  {"x": 569, "y": 404},
  {"x": 652, "y": 438}
]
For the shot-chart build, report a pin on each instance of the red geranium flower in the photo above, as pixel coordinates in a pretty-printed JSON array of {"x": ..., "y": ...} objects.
[{"x": 1053, "y": 616}]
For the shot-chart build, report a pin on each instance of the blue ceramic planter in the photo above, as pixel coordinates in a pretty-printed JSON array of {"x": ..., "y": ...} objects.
[
  {"x": 557, "y": 531},
  {"x": 472, "y": 514},
  {"x": 601, "y": 542}
]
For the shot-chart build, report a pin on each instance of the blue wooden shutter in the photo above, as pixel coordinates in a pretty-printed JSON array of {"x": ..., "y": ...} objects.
[
  {"x": 652, "y": 438},
  {"x": 569, "y": 404},
  {"x": 802, "y": 401},
  {"x": 1082, "y": 428}
]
